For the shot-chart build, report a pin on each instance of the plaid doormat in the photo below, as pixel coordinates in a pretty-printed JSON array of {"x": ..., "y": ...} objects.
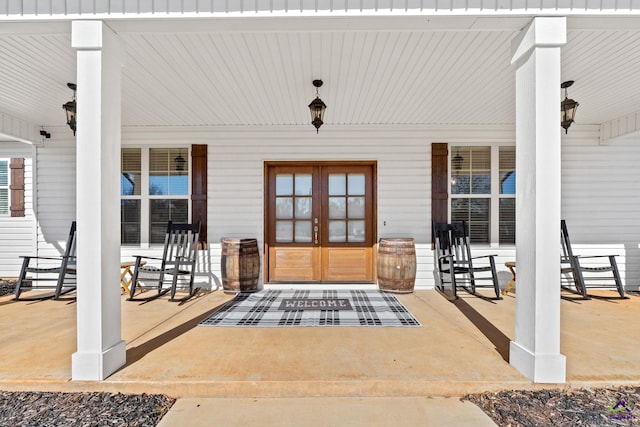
[{"x": 272, "y": 308}]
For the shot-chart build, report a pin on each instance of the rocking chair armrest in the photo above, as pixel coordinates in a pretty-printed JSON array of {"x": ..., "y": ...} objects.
[
  {"x": 445, "y": 256},
  {"x": 58, "y": 258},
  {"x": 147, "y": 257},
  {"x": 484, "y": 256},
  {"x": 593, "y": 256}
]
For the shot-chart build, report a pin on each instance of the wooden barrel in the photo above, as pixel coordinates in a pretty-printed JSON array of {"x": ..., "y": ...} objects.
[
  {"x": 396, "y": 265},
  {"x": 240, "y": 265}
]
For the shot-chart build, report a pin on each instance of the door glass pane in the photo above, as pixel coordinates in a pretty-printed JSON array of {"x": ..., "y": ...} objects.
[
  {"x": 337, "y": 184},
  {"x": 303, "y": 231},
  {"x": 284, "y": 207},
  {"x": 356, "y": 184},
  {"x": 303, "y": 207},
  {"x": 284, "y": 185},
  {"x": 356, "y": 207},
  {"x": 284, "y": 231},
  {"x": 303, "y": 185},
  {"x": 356, "y": 231},
  {"x": 337, "y": 207},
  {"x": 337, "y": 231}
]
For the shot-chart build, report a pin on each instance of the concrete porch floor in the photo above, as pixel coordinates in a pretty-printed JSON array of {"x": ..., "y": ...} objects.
[{"x": 461, "y": 348}]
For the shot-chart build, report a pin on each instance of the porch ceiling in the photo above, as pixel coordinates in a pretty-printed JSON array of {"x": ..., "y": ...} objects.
[{"x": 396, "y": 70}]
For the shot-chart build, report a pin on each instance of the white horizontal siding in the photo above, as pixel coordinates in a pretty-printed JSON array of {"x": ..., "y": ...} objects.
[
  {"x": 17, "y": 234},
  {"x": 56, "y": 199}
]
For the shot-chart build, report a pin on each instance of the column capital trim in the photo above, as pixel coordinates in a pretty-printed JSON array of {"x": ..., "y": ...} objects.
[
  {"x": 87, "y": 35},
  {"x": 547, "y": 31}
]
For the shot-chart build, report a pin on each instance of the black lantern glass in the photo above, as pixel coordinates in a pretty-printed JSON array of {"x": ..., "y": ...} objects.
[
  {"x": 70, "y": 109},
  {"x": 317, "y": 108},
  {"x": 568, "y": 108}
]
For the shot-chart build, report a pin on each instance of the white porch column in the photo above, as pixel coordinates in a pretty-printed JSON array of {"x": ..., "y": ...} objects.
[
  {"x": 536, "y": 54},
  {"x": 101, "y": 350}
]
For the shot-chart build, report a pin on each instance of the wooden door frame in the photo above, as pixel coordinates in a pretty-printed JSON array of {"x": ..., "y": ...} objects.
[{"x": 317, "y": 163}]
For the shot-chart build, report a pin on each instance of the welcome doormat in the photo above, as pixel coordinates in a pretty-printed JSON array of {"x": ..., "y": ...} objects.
[{"x": 273, "y": 308}]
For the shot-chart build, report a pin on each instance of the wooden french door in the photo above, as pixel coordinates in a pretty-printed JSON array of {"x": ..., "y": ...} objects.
[{"x": 320, "y": 222}]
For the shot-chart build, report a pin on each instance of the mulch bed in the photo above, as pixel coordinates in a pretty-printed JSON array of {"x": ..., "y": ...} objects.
[
  {"x": 43, "y": 409},
  {"x": 574, "y": 407}
]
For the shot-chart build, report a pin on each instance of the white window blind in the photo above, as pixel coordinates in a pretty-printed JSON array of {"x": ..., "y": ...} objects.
[{"x": 4, "y": 187}]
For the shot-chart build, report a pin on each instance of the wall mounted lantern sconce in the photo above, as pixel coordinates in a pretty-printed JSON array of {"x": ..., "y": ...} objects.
[
  {"x": 70, "y": 109},
  {"x": 568, "y": 107},
  {"x": 317, "y": 108}
]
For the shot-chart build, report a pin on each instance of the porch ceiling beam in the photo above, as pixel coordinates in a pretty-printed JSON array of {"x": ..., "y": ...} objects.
[{"x": 619, "y": 128}]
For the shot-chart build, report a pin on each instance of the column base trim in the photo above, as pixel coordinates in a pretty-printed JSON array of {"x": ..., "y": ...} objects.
[
  {"x": 539, "y": 368},
  {"x": 98, "y": 366}
]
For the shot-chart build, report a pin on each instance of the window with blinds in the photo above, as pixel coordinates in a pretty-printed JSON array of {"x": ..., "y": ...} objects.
[
  {"x": 168, "y": 190},
  {"x": 482, "y": 188},
  {"x": 154, "y": 190},
  {"x": 4, "y": 187},
  {"x": 507, "y": 202}
]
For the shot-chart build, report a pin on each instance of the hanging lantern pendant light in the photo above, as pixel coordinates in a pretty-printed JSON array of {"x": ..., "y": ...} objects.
[
  {"x": 317, "y": 108},
  {"x": 568, "y": 108},
  {"x": 70, "y": 109}
]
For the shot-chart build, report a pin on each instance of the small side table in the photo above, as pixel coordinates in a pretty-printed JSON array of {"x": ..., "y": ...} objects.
[
  {"x": 127, "y": 275},
  {"x": 511, "y": 265}
]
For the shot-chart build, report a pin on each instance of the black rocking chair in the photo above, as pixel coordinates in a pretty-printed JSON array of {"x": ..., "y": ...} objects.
[
  {"x": 178, "y": 262},
  {"x": 454, "y": 261},
  {"x": 570, "y": 265},
  {"x": 61, "y": 270}
]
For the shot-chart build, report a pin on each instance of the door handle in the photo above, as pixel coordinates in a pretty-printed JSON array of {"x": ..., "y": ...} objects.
[{"x": 315, "y": 234}]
